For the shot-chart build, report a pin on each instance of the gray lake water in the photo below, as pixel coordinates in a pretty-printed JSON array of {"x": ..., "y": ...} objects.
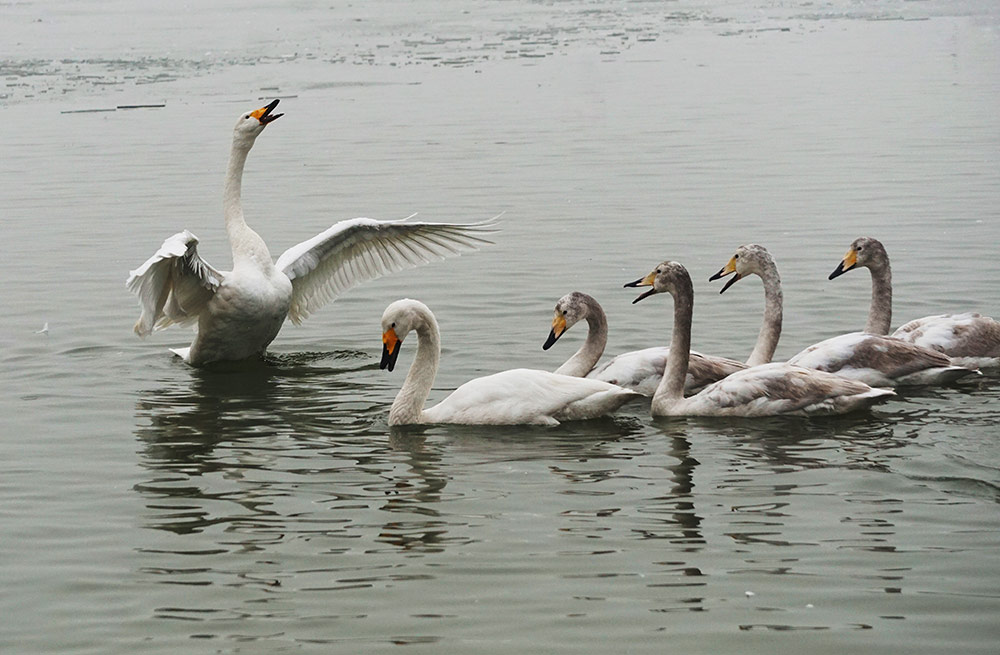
[{"x": 149, "y": 507}]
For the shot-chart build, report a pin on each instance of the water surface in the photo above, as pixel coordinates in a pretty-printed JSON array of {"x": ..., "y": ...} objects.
[{"x": 149, "y": 507}]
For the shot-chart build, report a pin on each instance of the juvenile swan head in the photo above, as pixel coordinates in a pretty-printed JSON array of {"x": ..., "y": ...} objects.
[
  {"x": 867, "y": 252},
  {"x": 748, "y": 259}
]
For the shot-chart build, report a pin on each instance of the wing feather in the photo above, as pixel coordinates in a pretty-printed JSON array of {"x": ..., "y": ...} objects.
[
  {"x": 173, "y": 285},
  {"x": 355, "y": 251}
]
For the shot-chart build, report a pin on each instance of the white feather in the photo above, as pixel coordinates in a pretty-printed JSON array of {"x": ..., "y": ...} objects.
[
  {"x": 174, "y": 285},
  {"x": 362, "y": 249}
]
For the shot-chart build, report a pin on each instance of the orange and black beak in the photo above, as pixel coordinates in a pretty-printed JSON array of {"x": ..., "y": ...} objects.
[
  {"x": 264, "y": 114},
  {"x": 849, "y": 261},
  {"x": 729, "y": 268},
  {"x": 390, "y": 349},
  {"x": 643, "y": 282},
  {"x": 558, "y": 327}
]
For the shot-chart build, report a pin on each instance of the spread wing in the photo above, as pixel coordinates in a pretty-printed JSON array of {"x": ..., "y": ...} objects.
[
  {"x": 173, "y": 285},
  {"x": 363, "y": 249}
]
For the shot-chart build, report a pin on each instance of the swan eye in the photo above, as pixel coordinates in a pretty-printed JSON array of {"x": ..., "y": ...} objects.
[
  {"x": 736, "y": 256},
  {"x": 565, "y": 312},
  {"x": 393, "y": 326}
]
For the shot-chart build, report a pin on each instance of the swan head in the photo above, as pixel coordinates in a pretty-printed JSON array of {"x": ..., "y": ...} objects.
[
  {"x": 749, "y": 259},
  {"x": 864, "y": 251},
  {"x": 252, "y": 123},
  {"x": 399, "y": 319},
  {"x": 667, "y": 277},
  {"x": 570, "y": 309}
]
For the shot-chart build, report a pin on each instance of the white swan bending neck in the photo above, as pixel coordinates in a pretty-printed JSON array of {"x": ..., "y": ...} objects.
[{"x": 408, "y": 406}]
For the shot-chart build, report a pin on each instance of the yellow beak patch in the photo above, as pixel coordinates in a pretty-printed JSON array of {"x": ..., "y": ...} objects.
[
  {"x": 850, "y": 259},
  {"x": 390, "y": 340},
  {"x": 558, "y": 325}
]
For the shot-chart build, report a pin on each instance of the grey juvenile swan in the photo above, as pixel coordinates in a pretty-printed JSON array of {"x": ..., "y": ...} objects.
[
  {"x": 764, "y": 390},
  {"x": 968, "y": 338},
  {"x": 640, "y": 370},
  {"x": 874, "y": 359}
]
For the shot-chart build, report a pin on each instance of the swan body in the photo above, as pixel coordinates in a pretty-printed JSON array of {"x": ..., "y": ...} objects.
[
  {"x": 239, "y": 312},
  {"x": 879, "y": 360},
  {"x": 876, "y": 360},
  {"x": 640, "y": 370},
  {"x": 969, "y": 338},
  {"x": 764, "y": 390},
  {"x": 514, "y": 397}
]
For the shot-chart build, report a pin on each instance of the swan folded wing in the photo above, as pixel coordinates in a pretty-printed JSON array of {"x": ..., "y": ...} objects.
[
  {"x": 362, "y": 249},
  {"x": 957, "y": 335},
  {"x": 527, "y": 396},
  {"x": 706, "y": 369},
  {"x": 892, "y": 357},
  {"x": 173, "y": 285},
  {"x": 779, "y": 388}
]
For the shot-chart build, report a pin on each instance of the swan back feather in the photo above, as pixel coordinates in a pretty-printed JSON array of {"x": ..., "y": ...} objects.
[
  {"x": 970, "y": 338},
  {"x": 879, "y": 360}
]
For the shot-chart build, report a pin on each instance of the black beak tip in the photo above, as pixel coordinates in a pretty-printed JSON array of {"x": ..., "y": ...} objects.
[
  {"x": 733, "y": 280},
  {"x": 837, "y": 272},
  {"x": 388, "y": 359},
  {"x": 551, "y": 340},
  {"x": 267, "y": 116}
]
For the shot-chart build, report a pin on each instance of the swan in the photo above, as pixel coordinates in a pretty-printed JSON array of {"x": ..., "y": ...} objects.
[
  {"x": 517, "y": 396},
  {"x": 876, "y": 360},
  {"x": 239, "y": 312},
  {"x": 764, "y": 390},
  {"x": 968, "y": 338},
  {"x": 640, "y": 370}
]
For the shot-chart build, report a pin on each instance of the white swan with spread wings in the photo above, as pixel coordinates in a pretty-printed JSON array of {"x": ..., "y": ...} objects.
[{"x": 239, "y": 312}]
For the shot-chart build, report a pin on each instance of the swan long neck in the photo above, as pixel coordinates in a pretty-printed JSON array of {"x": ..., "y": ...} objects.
[
  {"x": 770, "y": 329},
  {"x": 247, "y": 246},
  {"x": 408, "y": 406},
  {"x": 880, "y": 312},
  {"x": 671, "y": 387},
  {"x": 584, "y": 360}
]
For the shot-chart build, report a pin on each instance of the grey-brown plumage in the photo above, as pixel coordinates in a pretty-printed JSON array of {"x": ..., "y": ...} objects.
[{"x": 969, "y": 338}]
